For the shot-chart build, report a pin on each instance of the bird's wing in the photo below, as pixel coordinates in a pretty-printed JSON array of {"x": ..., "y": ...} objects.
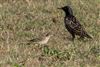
[
  {"x": 74, "y": 24},
  {"x": 35, "y": 40}
]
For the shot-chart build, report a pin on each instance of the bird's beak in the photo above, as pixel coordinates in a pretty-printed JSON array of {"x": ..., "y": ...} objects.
[{"x": 59, "y": 8}]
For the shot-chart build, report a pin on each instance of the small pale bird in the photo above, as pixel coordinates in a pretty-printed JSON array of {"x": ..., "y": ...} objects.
[
  {"x": 43, "y": 40},
  {"x": 72, "y": 24}
]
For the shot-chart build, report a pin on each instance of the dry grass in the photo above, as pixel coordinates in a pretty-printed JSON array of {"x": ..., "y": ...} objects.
[{"x": 22, "y": 20}]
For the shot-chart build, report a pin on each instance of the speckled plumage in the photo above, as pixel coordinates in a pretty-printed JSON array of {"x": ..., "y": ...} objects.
[{"x": 72, "y": 24}]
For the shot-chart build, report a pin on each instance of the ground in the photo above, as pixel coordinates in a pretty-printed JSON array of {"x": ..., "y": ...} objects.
[{"x": 22, "y": 20}]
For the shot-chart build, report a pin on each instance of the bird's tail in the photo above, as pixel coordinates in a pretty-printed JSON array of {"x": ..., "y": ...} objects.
[{"x": 88, "y": 36}]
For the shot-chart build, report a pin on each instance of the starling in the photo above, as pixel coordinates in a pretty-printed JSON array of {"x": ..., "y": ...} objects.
[{"x": 72, "y": 24}]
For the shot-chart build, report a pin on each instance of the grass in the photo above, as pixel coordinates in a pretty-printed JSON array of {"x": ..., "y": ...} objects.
[{"x": 22, "y": 20}]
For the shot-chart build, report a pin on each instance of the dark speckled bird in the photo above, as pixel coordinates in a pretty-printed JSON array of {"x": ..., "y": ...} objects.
[{"x": 72, "y": 24}]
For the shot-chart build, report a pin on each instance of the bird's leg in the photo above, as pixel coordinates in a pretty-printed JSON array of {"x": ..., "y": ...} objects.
[
  {"x": 73, "y": 36},
  {"x": 81, "y": 38}
]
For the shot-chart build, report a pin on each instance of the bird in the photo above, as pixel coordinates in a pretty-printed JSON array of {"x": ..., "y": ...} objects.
[
  {"x": 72, "y": 24},
  {"x": 43, "y": 40}
]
